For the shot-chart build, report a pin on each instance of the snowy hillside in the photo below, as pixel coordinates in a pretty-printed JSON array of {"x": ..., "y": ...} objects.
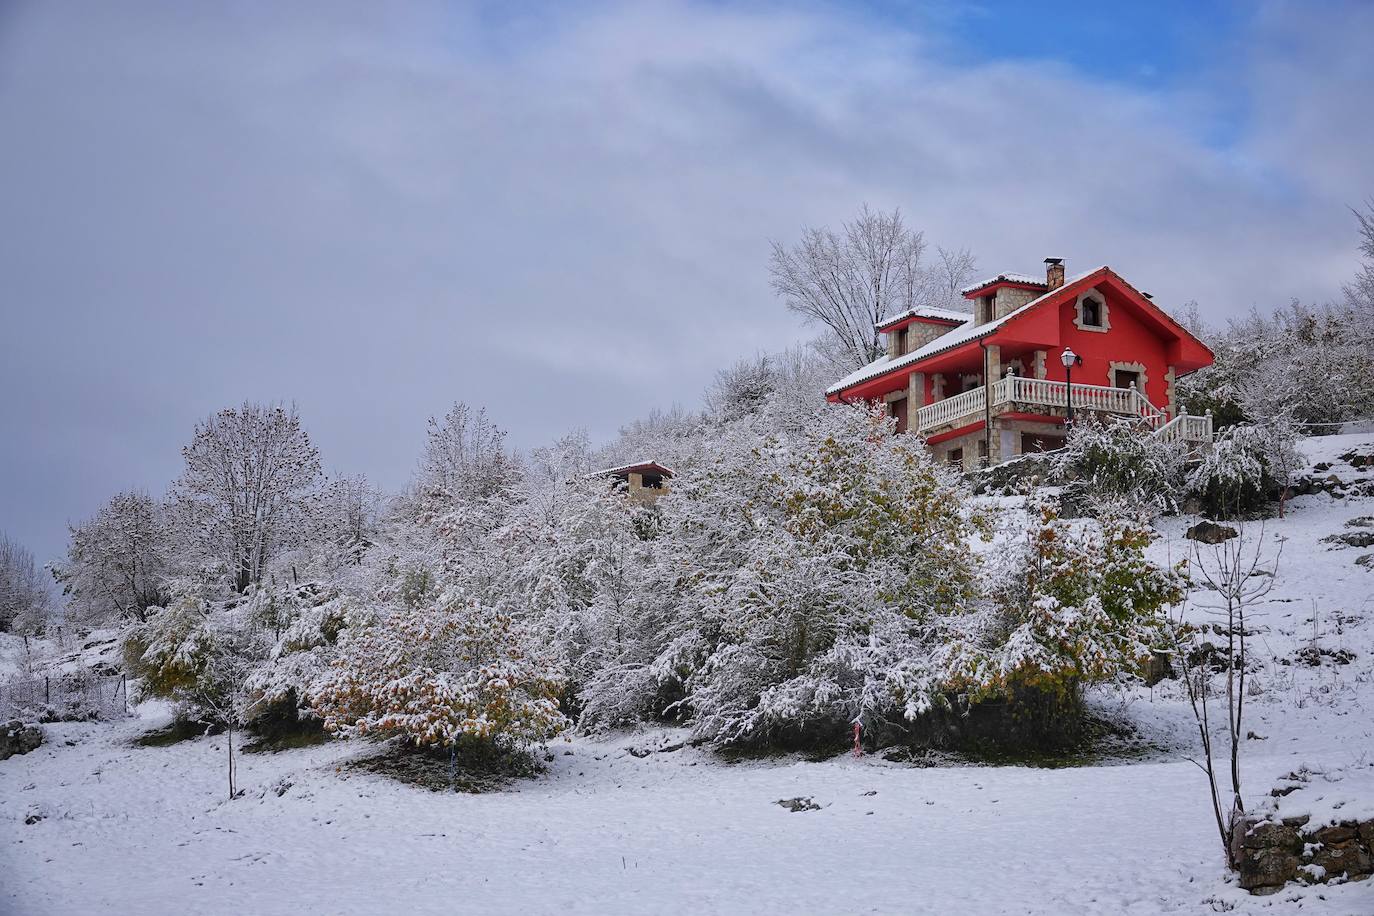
[{"x": 642, "y": 823}]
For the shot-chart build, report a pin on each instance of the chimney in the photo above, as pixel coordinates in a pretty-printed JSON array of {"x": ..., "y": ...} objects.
[{"x": 1054, "y": 273}]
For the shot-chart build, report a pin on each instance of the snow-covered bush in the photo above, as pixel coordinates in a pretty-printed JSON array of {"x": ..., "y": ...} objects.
[
  {"x": 1246, "y": 466},
  {"x": 443, "y": 674},
  {"x": 1068, "y": 604},
  {"x": 1121, "y": 466},
  {"x": 801, "y": 575}
]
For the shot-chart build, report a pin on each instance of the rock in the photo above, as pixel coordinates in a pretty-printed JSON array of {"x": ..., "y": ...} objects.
[
  {"x": 1266, "y": 870},
  {"x": 1358, "y": 460},
  {"x": 1335, "y": 834},
  {"x": 798, "y": 804},
  {"x": 1367, "y": 561},
  {"x": 1211, "y": 533},
  {"x": 1351, "y": 539},
  {"x": 1345, "y": 859},
  {"x": 1267, "y": 834},
  {"x": 1363, "y": 521},
  {"x": 18, "y": 738},
  {"x": 1367, "y": 834}
]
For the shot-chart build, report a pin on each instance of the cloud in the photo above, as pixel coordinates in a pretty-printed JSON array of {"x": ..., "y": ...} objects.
[{"x": 564, "y": 214}]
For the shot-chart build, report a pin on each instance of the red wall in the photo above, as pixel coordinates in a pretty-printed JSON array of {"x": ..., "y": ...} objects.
[{"x": 1128, "y": 341}]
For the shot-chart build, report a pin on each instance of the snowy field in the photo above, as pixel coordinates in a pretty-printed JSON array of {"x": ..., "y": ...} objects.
[{"x": 126, "y": 829}]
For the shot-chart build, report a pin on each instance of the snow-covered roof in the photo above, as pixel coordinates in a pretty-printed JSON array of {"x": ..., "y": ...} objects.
[
  {"x": 966, "y": 332},
  {"x": 926, "y": 311},
  {"x": 1004, "y": 278},
  {"x": 634, "y": 467}
]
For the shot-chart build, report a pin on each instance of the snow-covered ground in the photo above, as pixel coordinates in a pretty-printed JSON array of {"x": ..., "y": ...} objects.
[{"x": 125, "y": 829}]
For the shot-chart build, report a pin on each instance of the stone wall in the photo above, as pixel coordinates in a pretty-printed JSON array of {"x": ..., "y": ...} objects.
[{"x": 1270, "y": 853}]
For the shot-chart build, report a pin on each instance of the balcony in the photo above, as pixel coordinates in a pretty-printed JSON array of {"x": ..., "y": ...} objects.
[{"x": 1015, "y": 393}]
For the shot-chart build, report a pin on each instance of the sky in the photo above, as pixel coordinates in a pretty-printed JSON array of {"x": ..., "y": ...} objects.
[{"x": 563, "y": 212}]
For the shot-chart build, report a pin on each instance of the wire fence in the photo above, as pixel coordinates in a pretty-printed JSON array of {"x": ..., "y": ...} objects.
[{"x": 77, "y": 696}]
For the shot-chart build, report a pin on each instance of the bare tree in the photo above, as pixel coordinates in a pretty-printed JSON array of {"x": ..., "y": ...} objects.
[
  {"x": 953, "y": 270},
  {"x": 23, "y": 596},
  {"x": 849, "y": 281},
  {"x": 245, "y": 495},
  {"x": 116, "y": 561},
  {"x": 1235, "y": 575}
]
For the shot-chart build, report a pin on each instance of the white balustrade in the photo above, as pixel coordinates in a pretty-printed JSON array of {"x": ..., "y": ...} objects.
[
  {"x": 1015, "y": 389},
  {"x": 951, "y": 409}
]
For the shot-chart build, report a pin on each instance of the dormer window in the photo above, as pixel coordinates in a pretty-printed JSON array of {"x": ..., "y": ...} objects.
[{"x": 1091, "y": 312}]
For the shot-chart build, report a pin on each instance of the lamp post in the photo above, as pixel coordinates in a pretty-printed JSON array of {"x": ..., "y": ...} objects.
[{"x": 1069, "y": 359}]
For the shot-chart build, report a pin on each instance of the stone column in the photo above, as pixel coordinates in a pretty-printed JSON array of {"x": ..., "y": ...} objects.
[
  {"x": 1172, "y": 408},
  {"x": 915, "y": 400},
  {"x": 1038, "y": 364},
  {"x": 937, "y": 386}
]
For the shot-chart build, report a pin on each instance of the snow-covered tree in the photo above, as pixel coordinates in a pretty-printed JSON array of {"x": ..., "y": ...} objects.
[
  {"x": 347, "y": 522},
  {"x": 116, "y": 564},
  {"x": 742, "y": 389},
  {"x": 24, "y": 599},
  {"x": 247, "y": 490},
  {"x": 465, "y": 463}
]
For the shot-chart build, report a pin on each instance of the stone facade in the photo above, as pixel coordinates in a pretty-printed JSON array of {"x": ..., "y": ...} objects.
[
  {"x": 970, "y": 446},
  {"x": 918, "y": 334},
  {"x": 1010, "y": 298}
]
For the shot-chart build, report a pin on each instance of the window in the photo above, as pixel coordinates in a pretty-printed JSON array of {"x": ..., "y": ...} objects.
[
  {"x": 983, "y": 451},
  {"x": 901, "y": 341},
  {"x": 955, "y": 457},
  {"x": 1126, "y": 379},
  {"x": 1092, "y": 313}
]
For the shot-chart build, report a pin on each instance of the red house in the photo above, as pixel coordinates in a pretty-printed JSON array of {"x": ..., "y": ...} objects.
[{"x": 986, "y": 387}]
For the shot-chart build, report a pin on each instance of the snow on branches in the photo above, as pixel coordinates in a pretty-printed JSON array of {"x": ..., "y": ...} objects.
[{"x": 438, "y": 675}]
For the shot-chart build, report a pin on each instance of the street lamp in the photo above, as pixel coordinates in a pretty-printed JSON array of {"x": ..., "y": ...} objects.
[{"x": 1069, "y": 359}]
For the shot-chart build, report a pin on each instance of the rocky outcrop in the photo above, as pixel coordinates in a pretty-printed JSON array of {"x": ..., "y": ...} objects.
[
  {"x": 1350, "y": 539},
  {"x": 18, "y": 738},
  {"x": 1211, "y": 532},
  {"x": 1332, "y": 484}
]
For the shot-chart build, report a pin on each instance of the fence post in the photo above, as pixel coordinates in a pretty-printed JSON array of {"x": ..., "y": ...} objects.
[{"x": 47, "y": 691}]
